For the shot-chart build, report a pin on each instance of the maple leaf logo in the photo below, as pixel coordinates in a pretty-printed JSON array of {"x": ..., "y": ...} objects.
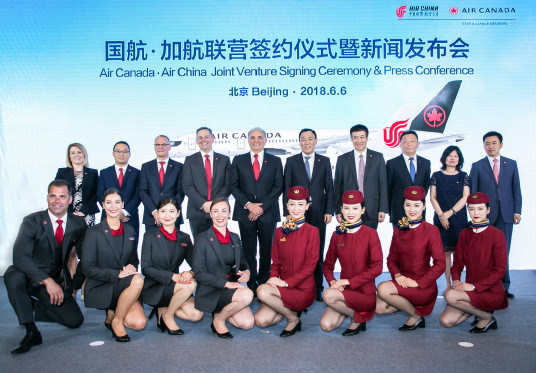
[{"x": 434, "y": 116}]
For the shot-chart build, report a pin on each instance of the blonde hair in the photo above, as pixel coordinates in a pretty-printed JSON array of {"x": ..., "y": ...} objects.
[{"x": 84, "y": 151}]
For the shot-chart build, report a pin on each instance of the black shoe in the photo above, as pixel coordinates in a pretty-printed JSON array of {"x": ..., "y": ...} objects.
[
  {"x": 492, "y": 324},
  {"x": 164, "y": 327},
  {"x": 360, "y": 328},
  {"x": 225, "y": 335},
  {"x": 510, "y": 295},
  {"x": 122, "y": 338},
  {"x": 288, "y": 333},
  {"x": 476, "y": 320},
  {"x": 419, "y": 324},
  {"x": 30, "y": 339}
]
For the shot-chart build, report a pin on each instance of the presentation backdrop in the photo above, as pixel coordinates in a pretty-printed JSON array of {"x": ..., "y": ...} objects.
[{"x": 102, "y": 71}]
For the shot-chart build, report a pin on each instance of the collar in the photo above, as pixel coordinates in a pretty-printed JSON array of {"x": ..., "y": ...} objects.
[
  {"x": 53, "y": 218},
  {"x": 357, "y": 153},
  {"x": 490, "y": 159},
  {"x": 210, "y": 154},
  {"x": 118, "y": 167},
  {"x": 406, "y": 157}
]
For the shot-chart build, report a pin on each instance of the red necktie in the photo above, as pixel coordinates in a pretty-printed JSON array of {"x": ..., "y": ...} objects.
[
  {"x": 161, "y": 173},
  {"x": 256, "y": 167},
  {"x": 496, "y": 170},
  {"x": 208, "y": 173},
  {"x": 59, "y": 232},
  {"x": 120, "y": 177}
]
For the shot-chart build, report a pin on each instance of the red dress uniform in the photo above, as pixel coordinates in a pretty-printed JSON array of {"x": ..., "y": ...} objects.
[
  {"x": 410, "y": 255},
  {"x": 361, "y": 259},
  {"x": 484, "y": 256},
  {"x": 294, "y": 258}
]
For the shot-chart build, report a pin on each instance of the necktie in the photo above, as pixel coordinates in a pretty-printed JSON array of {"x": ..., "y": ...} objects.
[
  {"x": 208, "y": 173},
  {"x": 411, "y": 169},
  {"x": 307, "y": 167},
  {"x": 59, "y": 232},
  {"x": 256, "y": 167},
  {"x": 120, "y": 177},
  {"x": 496, "y": 170},
  {"x": 361, "y": 176},
  {"x": 161, "y": 173}
]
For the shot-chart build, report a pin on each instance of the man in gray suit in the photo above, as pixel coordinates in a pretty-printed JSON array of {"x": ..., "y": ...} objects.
[
  {"x": 364, "y": 170},
  {"x": 205, "y": 177}
]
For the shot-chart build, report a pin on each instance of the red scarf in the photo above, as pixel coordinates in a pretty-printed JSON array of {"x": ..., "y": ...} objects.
[
  {"x": 118, "y": 232},
  {"x": 170, "y": 236},
  {"x": 221, "y": 238}
]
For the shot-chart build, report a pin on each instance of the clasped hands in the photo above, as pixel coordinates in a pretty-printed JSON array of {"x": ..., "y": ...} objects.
[
  {"x": 244, "y": 277},
  {"x": 406, "y": 282},
  {"x": 255, "y": 210},
  {"x": 462, "y": 286},
  {"x": 183, "y": 277},
  {"x": 340, "y": 285},
  {"x": 127, "y": 271}
]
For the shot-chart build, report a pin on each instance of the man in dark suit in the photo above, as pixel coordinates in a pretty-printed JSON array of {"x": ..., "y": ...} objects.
[
  {"x": 498, "y": 177},
  {"x": 203, "y": 187},
  {"x": 405, "y": 170},
  {"x": 364, "y": 170},
  {"x": 125, "y": 178},
  {"x": 161, "y": 177},
  {"x": 312, "y": 171},
  {"x": 39, "y": 278},
  {"x": 256, "y": 181}
]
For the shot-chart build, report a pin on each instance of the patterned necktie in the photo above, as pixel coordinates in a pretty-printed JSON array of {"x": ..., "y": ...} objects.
[
  {"x": 361, "y": 176},
  {"x": 161, "y": 173},
  {"x": 307, "y": 167},
  {"x": 411, "y": 169},
  {"x": 256, "y": 167},
  {"x": 208, "y": 173},
  {"x": 496, "y": 170},
  {"x": 120, "y": 177},
  {"x": 59, "y": 232}
]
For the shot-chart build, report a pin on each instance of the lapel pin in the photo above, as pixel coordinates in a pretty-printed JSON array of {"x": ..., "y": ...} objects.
[
  {"x": 106, "y": 231},
  {"x": 45, "y": 222},
  {"x": 283, "y": 239},
  {"x": 211, "y": 239}
]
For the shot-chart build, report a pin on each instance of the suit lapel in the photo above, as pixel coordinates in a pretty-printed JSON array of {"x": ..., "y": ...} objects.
[
  {"x": 216, "y": 246},
  {"x": 489, "y": 170},
  {"x": 236, "y": 247},
  {"x": 126, "y": 175},
  {"x": 351, "y": 163},
  {"x": 248, "y": 166},
  {"x": 108, "y": 234},
  {"x": 266, "y": 162},
  {"x": 67, "y": 236},
  {"x": 163, "y": 247},
  {"x": 47, "y": 226},
  {"x": 370, "y": 162},
  {"x": 216, "y": 166}
]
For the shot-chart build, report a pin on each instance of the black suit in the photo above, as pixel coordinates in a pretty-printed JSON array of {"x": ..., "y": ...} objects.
[
  {"x": 34, "y": 260},
  {"x": 194, "y": 184},
  {"x": 265, "y": 190},
  {"x": 399, "y": 179},
  {"x": 375, "y": 180},
  {"x": 156, "y": 264},
  {"x": 90, "y": 180},
  {"x": 210, "y": 269},
  {"x": 321, "y": 194}
]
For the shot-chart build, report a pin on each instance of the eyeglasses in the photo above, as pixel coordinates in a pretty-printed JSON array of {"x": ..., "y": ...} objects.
[
  {"x": 166, "y": 144},
  {"x": 121, "y": 151}
]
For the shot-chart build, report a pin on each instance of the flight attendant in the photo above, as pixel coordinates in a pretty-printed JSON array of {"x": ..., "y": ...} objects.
[
  {"x": 413, "y": 288},
  {"x": 291, "y": 287},
  {"x": 358, "y": 249}
]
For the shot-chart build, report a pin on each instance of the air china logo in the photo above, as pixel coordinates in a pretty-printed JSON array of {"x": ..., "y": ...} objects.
[
  {"x": 434, "y": 116},
  {"x": 391, "y": 135},
  {"x": 401, "y": 11}
]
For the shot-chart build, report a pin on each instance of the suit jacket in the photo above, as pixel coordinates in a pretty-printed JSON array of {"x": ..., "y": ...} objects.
[
  {"x": 375, "y": 182},
  {"x": 505, "y": 196},
  {"x": 320, "y": 186},
  {"x": 210, "y": 269},
  {"x": 151, "y": 192},
  {"x": 129, "y": 189},
  {"x": 34, "y": 250},
  {"x": 266, "y": 190},
  {"x": 89, "y": 188},
  {"x": 102, "y": 261},
  {"x": 194, "y": 182},
  {"x": 156, "y": 264},
  {"x": 399, "y": 179}
]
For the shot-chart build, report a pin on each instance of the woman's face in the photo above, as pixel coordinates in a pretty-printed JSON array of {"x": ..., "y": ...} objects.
[
  {"x": 413, "y": 209},
  {"x": 113, "y": 205},
  {"x": 76, "y": 156},
  {"x": 352, "y": 213},
  {"x": 220, "y": 214},
  {"x": 478, "y": 212},
  {"x": 168, "y": 214},
  {"x": 297, "y": 208},
  {"x": 452, "y": 159}
]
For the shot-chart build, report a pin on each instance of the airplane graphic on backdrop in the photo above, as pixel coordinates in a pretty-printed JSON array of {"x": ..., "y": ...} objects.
[{"x": 429, "y": 124}]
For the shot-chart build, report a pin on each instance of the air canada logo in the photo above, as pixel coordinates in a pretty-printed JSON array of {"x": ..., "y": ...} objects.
[
  {"x": 453, "y": 10},
  {"x": 401, "y": 11},
  {"x": 434, "y": 116},
  {"x": 391, "y": 135}
]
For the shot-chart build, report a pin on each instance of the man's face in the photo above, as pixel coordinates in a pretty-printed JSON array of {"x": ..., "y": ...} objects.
[
  {"x": 58, "y": 199},
  {"x": 493, "y": 146},
  {"x": 308, "y": 142},
  {"x": 161, "y": 147},
  {"x": 359, "y": 139},
  {"x": 256, "y": 141},
  {"x": 409, "y": 144},
  {"x": 204, "y": 140},
  {"x": 121, "y": 154}
]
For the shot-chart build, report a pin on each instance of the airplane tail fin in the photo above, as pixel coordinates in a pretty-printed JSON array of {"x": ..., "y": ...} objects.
[{"x": 434, "y": 116}]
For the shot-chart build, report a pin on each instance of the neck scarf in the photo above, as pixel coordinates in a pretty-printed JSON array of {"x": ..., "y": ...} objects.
[
  {"x": 480, "y": 224},
  {"x": 221, "y": 238},
  {"x": 170, "y": 236},
  {"x": 404, "y": 223},
  {"x": 344, "y": 226},
  {"x": 292, "y": 225},
  {"x": 118, "y": 232}
]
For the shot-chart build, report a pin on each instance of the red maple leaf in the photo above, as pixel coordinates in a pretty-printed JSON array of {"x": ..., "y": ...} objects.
[{"x": 434, "y": 116}]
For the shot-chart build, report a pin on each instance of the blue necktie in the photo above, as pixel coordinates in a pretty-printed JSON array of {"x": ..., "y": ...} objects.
[
  {"x": 307, "y": 168},
  {"x": 411, "y": 169}
]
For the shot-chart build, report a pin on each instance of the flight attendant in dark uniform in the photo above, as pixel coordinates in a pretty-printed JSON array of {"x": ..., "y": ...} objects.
[
  {"x": 162, "y": 253},
  {"x": 482, "y": 251},
  {"x": 222, "y": 272},
  {"x": 358, "y": 249},
  {"x": 110, "y": 264},
  {"x": 291, "y": 287},
  {"x": 413, "y": 289}
]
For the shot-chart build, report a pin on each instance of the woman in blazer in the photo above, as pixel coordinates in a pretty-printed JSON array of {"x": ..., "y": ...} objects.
[
  {"x": 413, "y": 289},
  {"x": 358, "y": 249},
  {"x": 221, "y": 271},
  {"x": 110, "y": 262},
  {"x": 163, "y": 251}
]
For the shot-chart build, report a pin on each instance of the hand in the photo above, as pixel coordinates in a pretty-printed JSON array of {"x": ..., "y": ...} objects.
[
  {"x": 444, "y": 223},
  {"x": 78, "y": 213},
  {"x": 327, "y": 218},
  {"x": 55, "y": 292},
  {"x": 253, "y": 217},
  {"x": 339, "y": 284},
  {"x": 130, "y": 269},
  {"x": 183, "y": 277},
  {"x": 517, "y": 218},
  {"x": 206, "y": 207},
  {"x": 406, "y": 282},
  {"x": 255, "y": 208},
  {"x": 339, "y": 218},
  {"x": 446, "y": 215},
  {"x": 276, "y": 282},
  {"x": 381, "y": 217},
  {"x": 155, "y": 216},
  {"x": 232, "y": 285},
  {"x": 462, "y": 286},
  {"x": 244, "y": 276}
]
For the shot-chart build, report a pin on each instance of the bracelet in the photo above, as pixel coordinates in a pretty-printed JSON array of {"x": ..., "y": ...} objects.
[{"x": 454, "y": 211}]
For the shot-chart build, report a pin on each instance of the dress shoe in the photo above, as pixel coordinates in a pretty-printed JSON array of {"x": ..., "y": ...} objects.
[
  {"x": 419, "y": 324},
  {"x": 476, "y": 320},
  {"x": 492, "y": 324},
  {"x": 360, "y": 328},
  {"x": 288, "y": 333},
  {"x": 30, "y": 339},
  {"x": 122, "y": 338},
  {"x": 225, "y": 335},
  {"x": 108, "y": 325},
  {"x": 510, "y": 295},
  {"x": 164, "y": 327}
]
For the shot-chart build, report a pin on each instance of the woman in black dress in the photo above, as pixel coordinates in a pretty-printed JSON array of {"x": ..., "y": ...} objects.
[{"x": 448, "y": 192}]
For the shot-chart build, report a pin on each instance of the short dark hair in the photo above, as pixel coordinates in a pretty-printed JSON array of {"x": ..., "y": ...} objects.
[
  {"x": 121, "y": 142},
  {"x": 446, "y": 153},
  {"x": 58, "y": 183},
  {"x": 111, "y": 191},
  {"x": 492, "y": 133},
  {"x": 204, "y": 128},
  {"x": 218, "y": 200},
  {"x": 357, "y": 128},
  {"x": 307, "y": 130},
  {"x": 408, "y": 132},
  {"x": 165, "y": 200}
]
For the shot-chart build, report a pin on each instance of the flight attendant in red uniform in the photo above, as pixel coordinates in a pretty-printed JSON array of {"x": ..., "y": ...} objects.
[
  {"x": 291, "y": 287},
  {"x": 413, "y": 289},
  {"x": 481, "y": 249},
  {"x": 358, "y": 249}
]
